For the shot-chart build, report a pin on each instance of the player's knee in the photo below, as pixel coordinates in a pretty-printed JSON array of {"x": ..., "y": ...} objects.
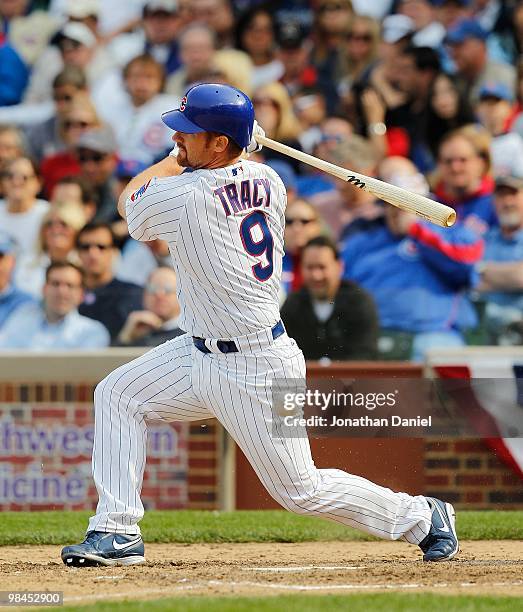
[
  {"x": 299, "y": 502},
  {"x": 104, "y": 391}
]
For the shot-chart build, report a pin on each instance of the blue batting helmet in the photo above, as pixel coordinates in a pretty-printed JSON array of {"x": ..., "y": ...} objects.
[{"x": 211, "y": 107}]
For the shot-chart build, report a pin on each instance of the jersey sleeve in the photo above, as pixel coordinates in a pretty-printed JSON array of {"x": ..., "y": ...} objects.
[{"x": 152, "y": 211}]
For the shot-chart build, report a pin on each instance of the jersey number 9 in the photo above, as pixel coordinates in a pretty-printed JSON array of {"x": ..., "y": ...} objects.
[{"x": 257, "y": 248}]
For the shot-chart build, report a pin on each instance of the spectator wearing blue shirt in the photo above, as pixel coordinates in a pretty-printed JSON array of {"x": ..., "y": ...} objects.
[
  {"x": 417, "y": 274},
  {"x": 14, "y": 75},
  {"x": 501, "y": 271},
  {"x": 56, "y": 324},
  {"x": 11, "y": 298}
]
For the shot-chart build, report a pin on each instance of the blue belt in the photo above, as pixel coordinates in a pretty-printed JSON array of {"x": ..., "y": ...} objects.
[{"x": 229, "y": 346}]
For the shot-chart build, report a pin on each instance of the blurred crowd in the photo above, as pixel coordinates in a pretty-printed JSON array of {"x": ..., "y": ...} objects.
[{"x": 424, "y": 94}]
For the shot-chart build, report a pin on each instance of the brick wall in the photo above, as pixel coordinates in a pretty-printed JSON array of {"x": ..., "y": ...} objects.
[
  {"x": 468, "y": 473},
  {"x": 45, "y": 453}
]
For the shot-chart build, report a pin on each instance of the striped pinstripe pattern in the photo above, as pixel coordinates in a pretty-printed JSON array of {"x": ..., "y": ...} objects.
[
  {"x": 222, "y": 299},
  {"x": 177, "y": 382},
  {"x": 218, "y": 293}
]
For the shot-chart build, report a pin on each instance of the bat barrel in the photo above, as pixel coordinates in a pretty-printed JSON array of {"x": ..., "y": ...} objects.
[{"x": 424, "y": 207}]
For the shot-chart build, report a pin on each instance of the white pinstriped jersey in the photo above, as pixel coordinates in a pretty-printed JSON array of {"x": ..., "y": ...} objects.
[{"x": 225, "y": 233}]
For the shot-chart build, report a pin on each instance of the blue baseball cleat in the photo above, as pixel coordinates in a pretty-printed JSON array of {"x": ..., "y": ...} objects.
[
  {"x": 100, "y": 548},
  {"x": 441, "y": 544}
]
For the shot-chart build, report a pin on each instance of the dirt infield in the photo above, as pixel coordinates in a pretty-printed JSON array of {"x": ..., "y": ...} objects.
[{"x": 485, "y": 567}]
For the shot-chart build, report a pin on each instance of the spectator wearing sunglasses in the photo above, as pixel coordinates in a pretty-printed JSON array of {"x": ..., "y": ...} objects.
[
  {"x": 157, "y": 322},
  {"x": 106, "y": 298},
  {"x": 47, "y": 138},
  {"x": 302, "y": 223},
  {"x": 360, "y": 52},
  {"x": 96, "y": 154},
  {"x": 21, "y": 212},
  {"x": 79, "y": 117}
]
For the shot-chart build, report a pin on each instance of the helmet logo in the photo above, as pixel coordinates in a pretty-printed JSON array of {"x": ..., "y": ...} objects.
[{"x": 183, "y": 104}]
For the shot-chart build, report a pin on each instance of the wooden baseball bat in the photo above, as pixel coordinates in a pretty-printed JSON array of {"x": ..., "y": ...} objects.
[{"x": 428, "y": 209}]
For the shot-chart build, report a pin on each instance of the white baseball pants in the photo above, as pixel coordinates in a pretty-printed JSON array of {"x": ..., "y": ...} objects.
[{"x": 177, "y": 382}]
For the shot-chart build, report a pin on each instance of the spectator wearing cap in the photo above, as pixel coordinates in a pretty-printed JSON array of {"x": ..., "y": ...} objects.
[
  {"x": 47, "y": 138},
  {"x": 256, "y": 36},
  {"x": 157, "y": 36},
  {"x": 96, "y": 152},
  {"x": 106, "y": 298},
  {"x": 330, "y": 317},
  {"x": 157, "y": 322},
  {"x": 463, "y": 177},
  {"x": 21, "y": 212},
  {"x": 495, "y": 111},
  {"x": 79, "y": 117},
  {"x": 467, "y": 41},
  {"x": 417, "y": 274},
  {"x": 500, "y": 272},
  {"x": 11, "y": 297},
  {"x": 56, "y": 324},
  {"x": 84, "y": 11},
  {"x": 197, "y": 50},
  {"x": 134, "y": 110}
]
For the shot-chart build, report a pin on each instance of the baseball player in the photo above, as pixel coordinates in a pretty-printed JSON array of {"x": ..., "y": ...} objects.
[{"x": 223, "y": 218}]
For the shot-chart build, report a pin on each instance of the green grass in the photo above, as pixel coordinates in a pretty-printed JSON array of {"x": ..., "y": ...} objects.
[
  {"x": 187, "y": 526},
  {"x": 380, "y": 602}
]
